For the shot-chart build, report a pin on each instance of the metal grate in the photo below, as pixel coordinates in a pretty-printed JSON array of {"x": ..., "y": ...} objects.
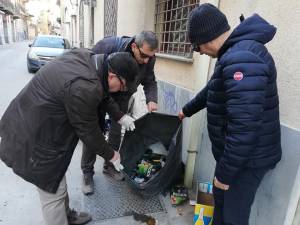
[
  {"x": 113, "y": 199},
  {"x": 171, "y": 26},
  {"x": 110, "y": 17}
]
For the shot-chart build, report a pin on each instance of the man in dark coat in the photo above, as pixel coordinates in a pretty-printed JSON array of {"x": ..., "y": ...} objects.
[
  {"x": 242, "y": 107},
  {"x": 142, "y": 47},
  {"x": 42, "y": 125}
]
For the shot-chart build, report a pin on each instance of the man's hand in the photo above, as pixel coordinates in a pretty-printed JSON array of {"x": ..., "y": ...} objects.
[
  {"x": 127, "y": 122},
  {"x": 152, "y": 106},
  {"x": 181, "y": 115},
  {"x": 220, "y": 185},
  {"x": 116, "y": 161}
]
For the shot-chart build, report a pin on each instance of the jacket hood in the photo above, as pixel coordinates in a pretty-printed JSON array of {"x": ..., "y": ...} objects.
[
  {"x": 100, "y": 62},
  {"x": 104, "y": 74},
  {"x": 125, "y": 43},
  {"x": 253, "y": 28}
]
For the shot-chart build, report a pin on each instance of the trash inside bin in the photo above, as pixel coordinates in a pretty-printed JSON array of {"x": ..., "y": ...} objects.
[
  {"x": 150, "y": 164},
  {"x": 151, "y": 154}
]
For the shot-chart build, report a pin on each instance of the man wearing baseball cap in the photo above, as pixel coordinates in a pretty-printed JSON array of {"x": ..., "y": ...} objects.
[{"x": 43, "y": 124}]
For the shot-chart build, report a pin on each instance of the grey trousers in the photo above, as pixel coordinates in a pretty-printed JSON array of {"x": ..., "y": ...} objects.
[{"x": 55, "y": 206}]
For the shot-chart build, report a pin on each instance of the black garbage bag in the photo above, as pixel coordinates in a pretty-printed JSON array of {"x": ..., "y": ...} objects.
[{"x": 151, "y": 129}]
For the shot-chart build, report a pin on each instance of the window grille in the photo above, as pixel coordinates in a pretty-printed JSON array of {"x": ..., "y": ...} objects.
[
  {"x": 171, "y": 26},
  {"x": 110, "y": 17}
]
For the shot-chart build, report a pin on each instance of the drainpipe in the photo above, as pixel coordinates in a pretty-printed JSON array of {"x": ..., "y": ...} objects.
[
  {"x": 196, "y": 125},
  {"x": 195, "y": 140},
  {"x": 197, "y": 120}
]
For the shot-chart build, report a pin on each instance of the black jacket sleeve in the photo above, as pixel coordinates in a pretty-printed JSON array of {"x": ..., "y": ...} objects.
[
  {"x": 81, "y": 101},
  {"x": 149, "y": 83},
  {"x": 196, "y": 104},
  {"x": 113, "y": 108}
]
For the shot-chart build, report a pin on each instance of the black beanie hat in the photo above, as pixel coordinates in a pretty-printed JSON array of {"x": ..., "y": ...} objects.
[
  {"x": 124, "y": 65},
  {"x": 206, "y": 23}
]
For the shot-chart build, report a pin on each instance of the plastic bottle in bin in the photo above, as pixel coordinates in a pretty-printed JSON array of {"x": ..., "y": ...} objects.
[
  {"x": 148, "y": 166},
  {"x": 145, "y": 169}
]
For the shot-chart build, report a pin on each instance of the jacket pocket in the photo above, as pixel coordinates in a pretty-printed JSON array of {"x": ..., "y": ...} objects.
[{"x": 45, "y": 157}]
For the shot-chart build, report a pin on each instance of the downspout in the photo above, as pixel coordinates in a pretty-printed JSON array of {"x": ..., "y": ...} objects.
[
  {"x": 197, "y": 120},
  {"x": 196, "y": 125}
]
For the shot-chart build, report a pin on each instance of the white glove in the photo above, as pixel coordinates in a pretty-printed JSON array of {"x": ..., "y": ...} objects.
[
  {"x": 116, "y": 161},
  {"x": 117, "y": 164},
  {"x": 127, "y": 122}
]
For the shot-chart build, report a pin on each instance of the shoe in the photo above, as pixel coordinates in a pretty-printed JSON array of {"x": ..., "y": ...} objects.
[
  {"x": 110, "y": 170},
  {"x": 78, "y": 218},
  {"x": 87, "y": 184}
]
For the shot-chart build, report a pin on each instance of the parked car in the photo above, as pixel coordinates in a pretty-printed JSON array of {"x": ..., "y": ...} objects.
[{"x": 45, "y": 48}]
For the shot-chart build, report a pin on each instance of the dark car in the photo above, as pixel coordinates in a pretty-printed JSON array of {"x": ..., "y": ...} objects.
[{"x": 45, "y": 48}]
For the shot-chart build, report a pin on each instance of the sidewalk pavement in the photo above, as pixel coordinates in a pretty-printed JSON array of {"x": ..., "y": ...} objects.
[{"x": 19, "y": 203}]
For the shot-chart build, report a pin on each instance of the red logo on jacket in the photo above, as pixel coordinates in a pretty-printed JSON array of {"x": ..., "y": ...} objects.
[{"x": 238, "y": 76}]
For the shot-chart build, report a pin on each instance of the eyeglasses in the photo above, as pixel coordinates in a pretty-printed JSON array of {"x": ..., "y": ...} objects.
[
  {"x": 144, "y": 55},
  {"x": 123, "y": 85},
  {"x": 195, "y": 47}
]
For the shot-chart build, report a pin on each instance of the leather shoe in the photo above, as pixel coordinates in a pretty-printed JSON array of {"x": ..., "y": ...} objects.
[
  {"x": 78, "y": 218},
  {"x": 110, "y": 170}
]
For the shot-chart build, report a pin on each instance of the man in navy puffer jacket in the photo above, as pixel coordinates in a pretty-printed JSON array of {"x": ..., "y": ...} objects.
[{"x": 242, "y": 107}]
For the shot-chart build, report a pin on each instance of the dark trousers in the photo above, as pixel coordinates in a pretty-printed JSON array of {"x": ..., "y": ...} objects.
[
  {"x": 88, "y": 158},
  {"x": 233, "y": 207}
]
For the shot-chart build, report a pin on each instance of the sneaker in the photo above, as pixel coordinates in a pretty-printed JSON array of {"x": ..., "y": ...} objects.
[
  {"x": 78, "y": 218},
  {"x": 110, "y": 170},
  {"x": 87, "y": 184}
]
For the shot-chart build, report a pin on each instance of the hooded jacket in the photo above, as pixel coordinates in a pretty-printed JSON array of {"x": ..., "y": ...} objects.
[
  {"x": 42, "y": 125},
  {"x": 242, "y": 102}
]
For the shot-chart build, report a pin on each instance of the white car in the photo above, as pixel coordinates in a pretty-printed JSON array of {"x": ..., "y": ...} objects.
[{"x": 45, "y": 48}]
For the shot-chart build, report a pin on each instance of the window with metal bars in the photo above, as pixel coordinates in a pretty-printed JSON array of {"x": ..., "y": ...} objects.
[
  {"x": 171, "y": 26},
  {"x": 110, "y": 17}
]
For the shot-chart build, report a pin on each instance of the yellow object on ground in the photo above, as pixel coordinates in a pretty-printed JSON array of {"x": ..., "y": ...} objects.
[
  {"x": 204, "y": 208},
  {"x": 203, "y": 214}
]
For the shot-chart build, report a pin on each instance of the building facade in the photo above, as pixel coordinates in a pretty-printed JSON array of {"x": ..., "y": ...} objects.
[
  {"x": 182, "y": 73},
  {"x": 1, "y": 28},
  {"x": 13, "y": 21}
]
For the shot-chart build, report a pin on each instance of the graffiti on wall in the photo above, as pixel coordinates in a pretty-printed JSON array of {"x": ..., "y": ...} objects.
[{"x": 170, "y": 104}]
